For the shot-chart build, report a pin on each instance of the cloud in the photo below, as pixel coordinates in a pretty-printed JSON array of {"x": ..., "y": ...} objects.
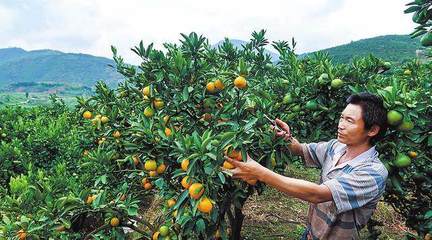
[{"x": 92, "y": 26}]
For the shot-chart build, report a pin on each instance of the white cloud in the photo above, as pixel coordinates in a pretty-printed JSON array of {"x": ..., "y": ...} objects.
[{"x": 92, "y": 26}]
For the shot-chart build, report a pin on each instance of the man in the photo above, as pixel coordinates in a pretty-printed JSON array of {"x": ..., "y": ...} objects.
[{"x": 352, "y": 177}]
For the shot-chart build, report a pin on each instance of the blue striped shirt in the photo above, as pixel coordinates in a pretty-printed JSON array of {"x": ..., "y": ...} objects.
[{"x": 356, "y": 187}]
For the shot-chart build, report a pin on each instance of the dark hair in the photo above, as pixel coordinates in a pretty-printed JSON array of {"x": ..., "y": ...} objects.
[{"x": 373, "y": 112}]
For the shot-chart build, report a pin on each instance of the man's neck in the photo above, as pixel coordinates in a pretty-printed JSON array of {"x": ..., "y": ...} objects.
[{"x": 352, "y": 151}]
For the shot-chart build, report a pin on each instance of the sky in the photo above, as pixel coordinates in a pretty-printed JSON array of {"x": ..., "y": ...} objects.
[{"x": 92, "y": 26}]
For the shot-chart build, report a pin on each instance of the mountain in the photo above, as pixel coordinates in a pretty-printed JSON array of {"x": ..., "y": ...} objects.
[
  {"x": 394, "y": 48},
  {"x": 48, "y": 66}
]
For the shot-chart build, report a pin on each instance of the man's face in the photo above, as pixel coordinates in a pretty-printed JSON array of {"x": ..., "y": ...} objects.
[{"x": 351, "y": 130}]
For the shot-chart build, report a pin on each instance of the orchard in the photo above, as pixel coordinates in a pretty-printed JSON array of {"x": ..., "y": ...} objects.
[{"x": 164, "y": 132}]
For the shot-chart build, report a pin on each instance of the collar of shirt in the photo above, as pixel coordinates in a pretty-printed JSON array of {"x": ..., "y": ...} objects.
[{"x": 366, "y": 156}]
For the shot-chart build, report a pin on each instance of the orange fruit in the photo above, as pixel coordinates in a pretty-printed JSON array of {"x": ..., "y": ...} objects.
[
  {"x": 21, "y": 234},
  {"x": 87, "y": 115},
  {"x": 117, "y": 134},
  {"x": 60, "y": 228},
  {"x": 171, "y": 202},
  {"x": 165, "y": 119},
  {"x": 161, "y": 168},
  {"x": 155, "y": 236},
  {"x": 412, "y": 154},
  {"x": 196, "y": 190},
  {"x": 207, "y": 117},
  {"x": 135, "y": 159},
  {"x": 227, "y": 165},
  {"x": 144, "y": 181},
  {"x": 210, "y": 87},
  {"x": 104, "y": 119},
  {"x": 219, "y": 84},
  {"x": 168, "y": 132},
  {"x": 102, "y": 140},
  {"x": 205, "y": 205},
  {"x": 150, "y": 165},
  {"x": 186, "y": 182},
  {"x": 252, "y": 181},
  {"x": 114, "y": 222},
  {"x": 148, "y": 186},
  {"x": 123, "y": 197},
  {"x": 185, "y": 164},
  {"x": 148, "y": 112},
  {"x": 158, "y": 103},
  {"x": 146, "y": 91},
  {"x": 153, "y": 173},
  {"x": 240, "y": 82},
  {"x": 90, "y": 199}
]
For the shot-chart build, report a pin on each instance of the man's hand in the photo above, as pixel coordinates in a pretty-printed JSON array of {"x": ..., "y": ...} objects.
[
  {"x": 285, "y": 133},
  {"x": 249, "y": 170},
  {"x": 294, "y": 145}
]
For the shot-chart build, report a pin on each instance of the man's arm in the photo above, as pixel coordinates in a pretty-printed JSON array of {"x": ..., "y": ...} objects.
[
  {"x": 295, "y": 147},
  {"x": 298, "y": 188}
]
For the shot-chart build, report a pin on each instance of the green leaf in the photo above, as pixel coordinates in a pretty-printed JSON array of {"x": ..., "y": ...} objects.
[
  {"x": 200, "y": 225},
  {"x": 181, "y": 199},
  {"x": 428, "y": 214},
  {"x": 412, "y": 9},
  {"x": 221, "y": 177},
  {"x": 185, "y": 94},
  {"x": 132, "y": 210}
]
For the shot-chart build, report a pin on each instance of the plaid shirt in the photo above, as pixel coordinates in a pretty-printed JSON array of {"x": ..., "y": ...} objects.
[{"x": 356, "y": 187}]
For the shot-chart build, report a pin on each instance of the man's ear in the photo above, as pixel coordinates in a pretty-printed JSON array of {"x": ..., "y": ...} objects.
[{"x": 373, "y": 131}]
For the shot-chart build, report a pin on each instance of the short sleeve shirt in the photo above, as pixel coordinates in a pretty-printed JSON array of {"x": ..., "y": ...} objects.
[{"x": 356, "y": 187}]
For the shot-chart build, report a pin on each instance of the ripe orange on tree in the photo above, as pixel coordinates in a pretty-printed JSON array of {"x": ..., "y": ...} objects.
[
  {"x": 150, "y": 165},
  {"x": 252, "y": 181},
  {"x": 161, "y": 168},
  {"x": 210, "y": 87},
  {"x": 148, "y": 186},
  {"x": 135, "y": 159},
  {"x": 185, "y": 164},
  {"x": 240, "y": 82},
  {"x": 219, "y": 84},
  {"x": 114, "y": 222},
  {"x": 196, "y": 190},
  {"x": 87, "y": 115},
  {"x": 153, "y": 173},
  {"x": 171, "y": 202},
  {"x": 158, "y": 103},
  {"x": 144, "y": 181},
  {"x": 148, "y": 112},
  {"x": 146, "y": 91},
  {"x": 117, "y": 134},
  {"x": 123, "y": 197},
  {"x": 186, "y": 182},
  {"x": 104, "y": 119},
  {"x": 21, "y": 234},
  {"x": 412, "y": 154},
  {"x": 205, "y": 205},
  {"x": 155, "y": 235},
  {"x": 227, "y": 165},
  {"x": 168, "y": 132}
]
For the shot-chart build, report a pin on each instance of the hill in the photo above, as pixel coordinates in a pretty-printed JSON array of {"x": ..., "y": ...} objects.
[
  {"x": 394, "y": 48},
  {"x": 49, "y": 66}
]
